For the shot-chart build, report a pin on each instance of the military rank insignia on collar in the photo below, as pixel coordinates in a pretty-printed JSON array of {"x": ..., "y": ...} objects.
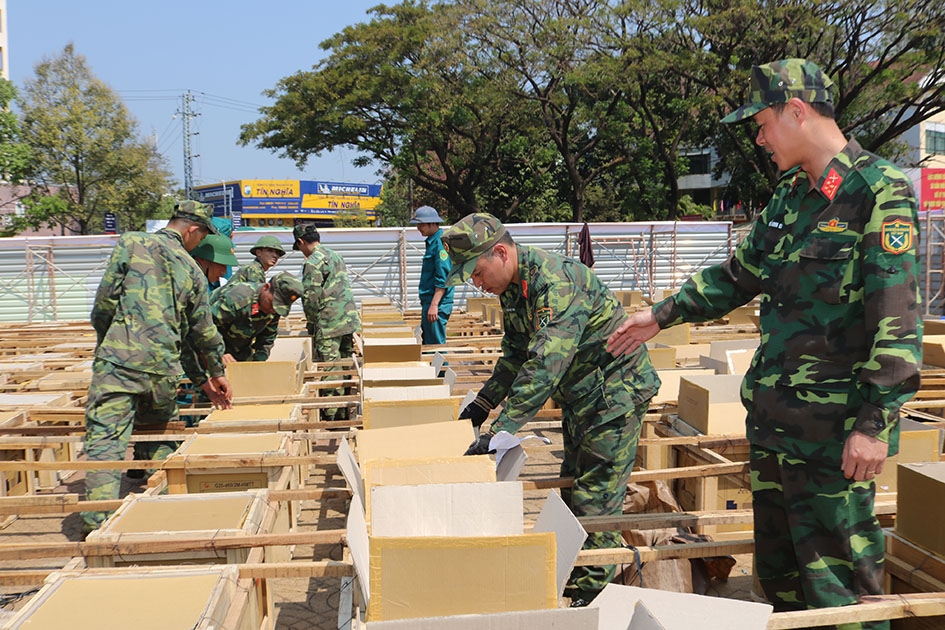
[
  {"x": 543, "y": 317},
  {"x": 897, "y": 236},
  {"x": 254, "y": 310},
  {"x": 833, "y": 225},
  {"x": 831, "y": 184}
]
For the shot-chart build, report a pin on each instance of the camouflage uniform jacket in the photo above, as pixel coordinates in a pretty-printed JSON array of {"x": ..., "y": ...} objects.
[
  {"x": 151, "y": 300},
  {"x": 841, "y": 331},
  {"x": 557, "y": 319},
  {"x": 248, "y": 333},
  {"x": 253, "y": 273},
  {"x": 328, "y": 302}
]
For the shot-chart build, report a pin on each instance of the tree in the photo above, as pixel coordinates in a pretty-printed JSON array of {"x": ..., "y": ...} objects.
[{"x": 88, "y": 159}]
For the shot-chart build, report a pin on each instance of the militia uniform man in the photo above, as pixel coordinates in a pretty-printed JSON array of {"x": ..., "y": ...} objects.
[
  {"x": 329, "y": 305},
  {"x": 557, "y": 315},
  {"x": 833, "y": 259},
  {"x": 151, "y": 299},
  {"x": 267, "y": 250},
  {"x": 436, "y": 296},
  {"x": 247, "y": 315}
]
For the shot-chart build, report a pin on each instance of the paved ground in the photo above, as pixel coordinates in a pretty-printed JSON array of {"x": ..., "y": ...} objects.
[{"x": 312, "y": 604}]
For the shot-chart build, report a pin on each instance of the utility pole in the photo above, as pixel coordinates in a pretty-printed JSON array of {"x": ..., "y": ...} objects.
[{"x": 186, "y": 115}]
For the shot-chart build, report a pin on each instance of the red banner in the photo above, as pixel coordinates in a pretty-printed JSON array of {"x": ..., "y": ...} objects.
[{"x": 933, "y": 189}]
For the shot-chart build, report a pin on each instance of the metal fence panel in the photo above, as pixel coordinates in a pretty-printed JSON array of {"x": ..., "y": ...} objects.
[{"x": 55, "y": 278}]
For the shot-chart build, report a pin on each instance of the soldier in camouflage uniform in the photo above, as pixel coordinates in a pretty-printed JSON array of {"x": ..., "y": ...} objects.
[
  {"x": 557, "y": 315},
  {"x": 267, "y": 250},
  {"x": 247, "y": 315},
  {"x": 329, "y": 306},
  {"x": 151, "y": 298},
  {"x": 833, "y": 257}
]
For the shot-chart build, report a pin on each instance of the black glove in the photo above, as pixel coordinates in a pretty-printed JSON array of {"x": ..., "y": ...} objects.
[
  {"x": 477, "y": 411},
  {"x": 481, "y": 445}
]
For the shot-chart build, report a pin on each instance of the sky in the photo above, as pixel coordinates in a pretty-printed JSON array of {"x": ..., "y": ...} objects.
[{"x": 225, "y": 53}]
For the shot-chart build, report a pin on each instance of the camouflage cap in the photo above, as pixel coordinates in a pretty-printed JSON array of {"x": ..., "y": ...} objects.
[
  {"x": 286, "y": 289},
  {"x": 779, "y": 82},
  {"x": 268, "y": 242},
  {"x": 472, "y": 235},
  {"x": 216, "y": 248},
  {"x": 306, "y": 231},
  {"x": 425, "y": 214},
  {"x": 197, "y": 212}
]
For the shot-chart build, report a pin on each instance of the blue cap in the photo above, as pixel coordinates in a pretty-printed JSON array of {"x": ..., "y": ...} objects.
[{"x": 425, "y": 214}]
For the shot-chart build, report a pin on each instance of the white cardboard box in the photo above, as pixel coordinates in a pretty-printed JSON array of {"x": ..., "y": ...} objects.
[{"x": 676, "y": 611}]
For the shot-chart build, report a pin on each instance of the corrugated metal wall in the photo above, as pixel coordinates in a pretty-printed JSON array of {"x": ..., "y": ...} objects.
[{"x": 55, "y": 278}]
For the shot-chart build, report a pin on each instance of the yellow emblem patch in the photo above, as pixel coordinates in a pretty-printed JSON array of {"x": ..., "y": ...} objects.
[
  {"x": 897, "y": 236},
  {"x": 833, "y": 225},
  {"x": 443, "y": 255},
  {"x": 543, "y": 317}
]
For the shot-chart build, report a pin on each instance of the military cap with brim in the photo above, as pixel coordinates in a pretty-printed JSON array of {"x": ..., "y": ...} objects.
[
  {"x": 286, "y": 288},
  {"x": 197, "y": 212},
  {"x": 216, "y": 248},
  {"x": 306, "y": 231},
  {"x": 779, "y": 82},
  {"x": 268, "y": 242},
  {"x": 465, "y": 241}
]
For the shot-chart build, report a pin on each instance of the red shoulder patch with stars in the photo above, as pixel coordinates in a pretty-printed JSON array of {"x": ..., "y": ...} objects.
[{"x": 831, "y": 184}]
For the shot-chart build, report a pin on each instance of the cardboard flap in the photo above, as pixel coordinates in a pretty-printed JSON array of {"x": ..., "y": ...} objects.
[
  {"x": 350, "y": 470},
  {"x": 439, "y": 439},
  {"x": 678, "y": 611},
  {"x": 356, "y": 537},
  {"x": 643, "y": 619},
  {"x": 554, "y": 619},
  {"x": 569, "y": 535},
  {"x": 449, "y": 509},
  {"x": 511, "y": 464},
  {"x": 437, "y": 363},
  {"x": 449, "y": 377}
]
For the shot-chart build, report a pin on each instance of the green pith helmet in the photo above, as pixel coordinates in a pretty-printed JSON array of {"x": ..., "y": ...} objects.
[
  {"x": 216, "y": 248},
  {"x": 269, "y": 242},
  {"x": 197, "y": 212}
]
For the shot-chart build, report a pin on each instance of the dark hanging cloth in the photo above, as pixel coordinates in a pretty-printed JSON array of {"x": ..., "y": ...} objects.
[{"x": 586, "y": 249}]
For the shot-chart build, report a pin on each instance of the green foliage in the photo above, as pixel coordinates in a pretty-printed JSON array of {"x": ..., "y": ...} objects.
[
  {"x": 15, "y": 156},
  {"x": 88, "y": 158},
  {"x": 547, "y": 110},
  {"x": 352, "y": 218}
]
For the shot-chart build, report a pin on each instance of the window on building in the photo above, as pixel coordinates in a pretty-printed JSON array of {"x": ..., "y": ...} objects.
[
  {"x": 700, "y": 164},
  {"x": 935, "y": 138}
]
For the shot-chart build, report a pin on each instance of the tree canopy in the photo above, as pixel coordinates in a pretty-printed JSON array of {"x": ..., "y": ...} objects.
[
  {"x": 88, "y": 159},
  {"x": 588, "y": 109}
]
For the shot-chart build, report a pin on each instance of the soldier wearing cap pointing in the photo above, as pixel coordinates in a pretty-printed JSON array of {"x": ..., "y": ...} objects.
[
  {"x": 557, "y": 316},
  {"x": 833, "y": 259}
]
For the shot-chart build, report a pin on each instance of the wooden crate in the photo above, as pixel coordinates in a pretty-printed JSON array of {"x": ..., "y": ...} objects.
[
  {"x": 144, "y": 518},
  {"x": 911, "y": 569},
  {"x": 379, "y": 414},
  {"x": 200, "y": 598}
]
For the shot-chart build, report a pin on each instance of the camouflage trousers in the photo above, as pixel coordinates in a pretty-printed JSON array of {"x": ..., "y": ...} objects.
[
  {"x": 119, "y": 399},
  {"x": 818, "y": 543},
  {"x": 333, "y": 349},
  {"x": 600, "y": 462}
]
